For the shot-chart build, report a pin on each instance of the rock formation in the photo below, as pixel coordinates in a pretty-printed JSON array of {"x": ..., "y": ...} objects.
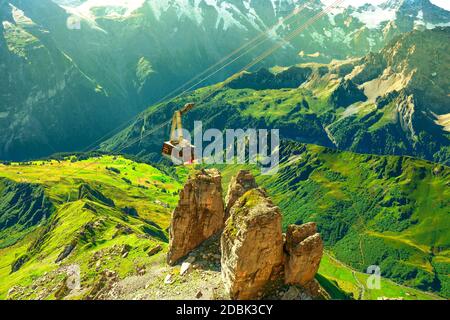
[
  {"x": 255, "y": 259},
  {"x": 252, "y": 246},
  {"x": 303, "y": 252},
  {"x": 346, "y": 94},
  {"x": 198, "y": 216},
  {"x": 240, "y": 184}
]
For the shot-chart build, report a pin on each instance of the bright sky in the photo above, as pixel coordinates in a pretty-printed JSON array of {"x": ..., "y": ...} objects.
[{"x": 442, "y": 3}]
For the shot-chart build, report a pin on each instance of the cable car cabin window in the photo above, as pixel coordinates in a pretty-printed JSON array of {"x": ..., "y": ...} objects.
[{"x": 180, "y": 157}]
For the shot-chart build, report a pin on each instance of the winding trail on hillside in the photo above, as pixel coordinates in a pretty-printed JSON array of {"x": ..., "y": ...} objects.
[{"x": 361, "y": 287}]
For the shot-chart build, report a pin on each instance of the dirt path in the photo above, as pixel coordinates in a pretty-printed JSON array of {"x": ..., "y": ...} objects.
[{"x": 361, "y": 287}]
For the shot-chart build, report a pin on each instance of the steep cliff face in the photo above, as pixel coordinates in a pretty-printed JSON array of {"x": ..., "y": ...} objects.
[
  {"x": 198, "y": 216},
  {"x": 23, "y": 206},
  {"x": 344, "y": 31},
  {"x": 303, "y": 252},
  {"x": 239, "y": 185},
  {"x": 330, "y": 187},
  {"x": 48, "y": 104},
  {"x": 408, "y": 86},
  {"x": 251, "y": 245}
]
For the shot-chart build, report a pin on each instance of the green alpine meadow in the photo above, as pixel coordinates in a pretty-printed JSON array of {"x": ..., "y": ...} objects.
[{"x": 320, "y": 170}]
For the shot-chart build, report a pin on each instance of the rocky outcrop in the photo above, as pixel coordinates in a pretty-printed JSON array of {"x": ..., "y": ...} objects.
[
  {"x": 240, "y": 184},
  {"x": 103, "y": 285},
  {"x": 252, "y": 246},
  {"x": 156, "y": 249},
  {"x": 255, "y": 260},
  {"x": 264, "y": 79},
  {"x": 346, "y": 94},
  {"x": 66, "y": 252},
  {"x": 198, "y": 216},
  {"x": 303, "y": 252}
]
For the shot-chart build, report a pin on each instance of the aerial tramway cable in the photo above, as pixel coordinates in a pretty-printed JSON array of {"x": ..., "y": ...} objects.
[
  {"x": 297, "y": 31},
  {"x": 267, "y": 53},
  {"x": 249, "y": 46}
]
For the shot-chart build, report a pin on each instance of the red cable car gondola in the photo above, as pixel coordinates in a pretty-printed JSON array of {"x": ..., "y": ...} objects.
[{"x": 185, "y": 151}]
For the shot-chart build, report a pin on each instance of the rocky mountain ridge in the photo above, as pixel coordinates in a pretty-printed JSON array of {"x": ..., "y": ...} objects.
[
  {"x": 123, "y": 56},
  {"x": 393, "y": 102}
]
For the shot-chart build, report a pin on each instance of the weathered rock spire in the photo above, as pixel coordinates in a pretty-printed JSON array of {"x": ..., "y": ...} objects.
[
  {"x": 252, "y": 246},
  {"x": 198, "y": 216}
]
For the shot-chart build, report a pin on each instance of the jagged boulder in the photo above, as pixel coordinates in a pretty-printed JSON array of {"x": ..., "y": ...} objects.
[
  {"x": 303, "y": 252},
  {"x": 240, "y": 184},
  {"x": 198, "y": 216},
  {"x": 252, "y": 246}
]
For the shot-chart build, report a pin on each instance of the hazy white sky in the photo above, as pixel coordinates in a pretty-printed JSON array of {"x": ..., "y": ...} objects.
[{"x": 442, "y": 3}]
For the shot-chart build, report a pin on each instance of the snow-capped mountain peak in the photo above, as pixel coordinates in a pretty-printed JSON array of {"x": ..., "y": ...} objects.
[{"x": 112, "y": 8}]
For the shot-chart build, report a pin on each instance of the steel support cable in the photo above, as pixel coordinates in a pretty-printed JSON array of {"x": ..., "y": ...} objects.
[
  {"x": 292, "y": 35},
  {"x": 247, "y": 46}
]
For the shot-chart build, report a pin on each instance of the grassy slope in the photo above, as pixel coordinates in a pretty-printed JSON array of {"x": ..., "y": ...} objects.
[
  {"x": 387, "y": 211},
  {"x": 323, "y": 110},
  {"x": 354, "y": 284},
  {"x": 231, "y": 108},
  {"x": 61, "y": 182}
]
